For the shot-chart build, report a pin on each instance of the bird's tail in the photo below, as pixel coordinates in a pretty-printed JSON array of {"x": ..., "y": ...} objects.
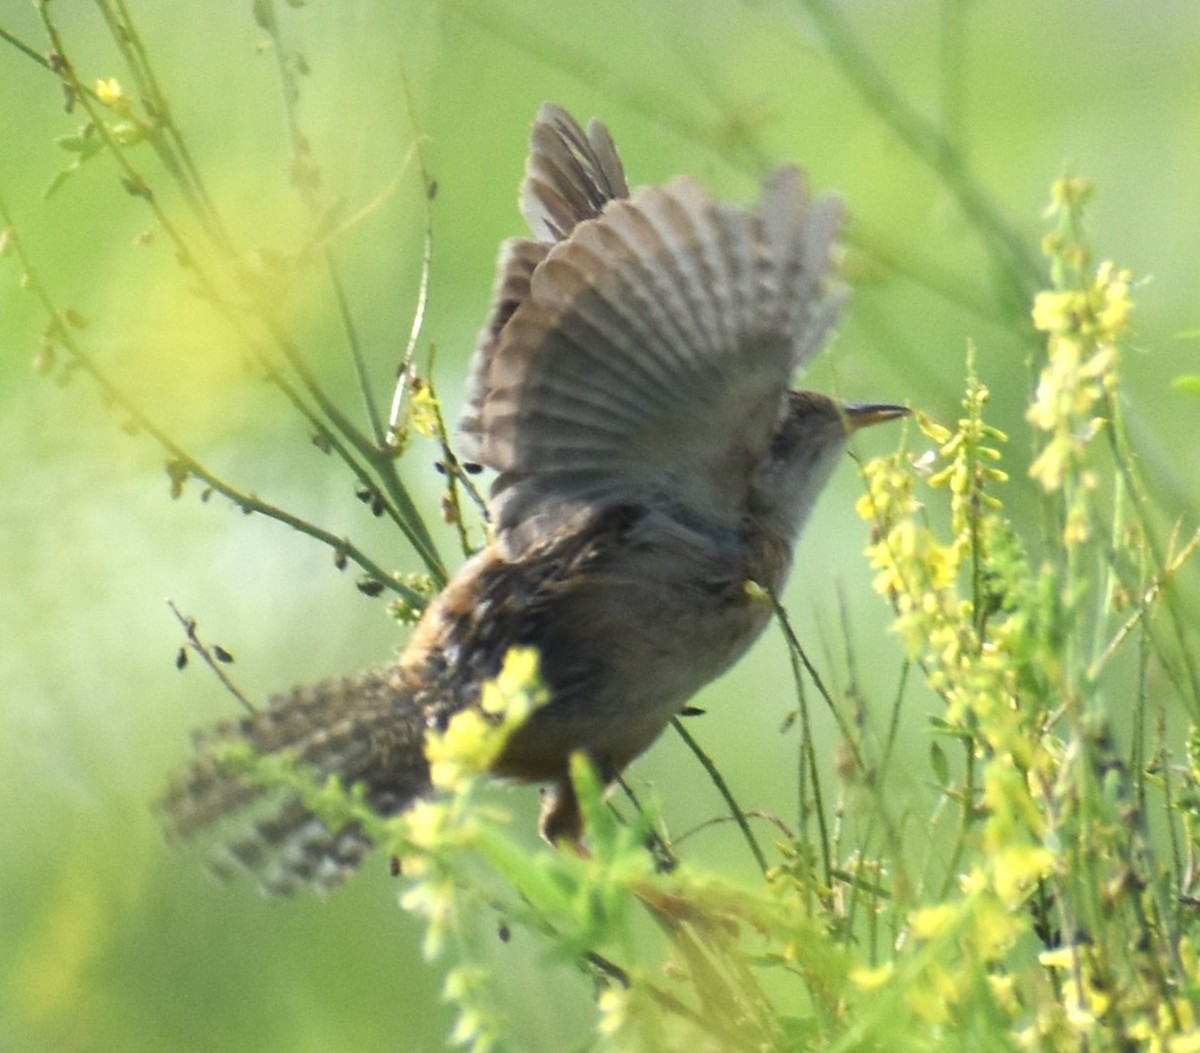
[{"x": 364, "y": 730}]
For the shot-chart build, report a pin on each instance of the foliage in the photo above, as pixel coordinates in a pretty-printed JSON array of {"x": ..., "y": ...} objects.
[
  {"x": 1058, "y": 921},
  {"x": 1052, "y": 644}
]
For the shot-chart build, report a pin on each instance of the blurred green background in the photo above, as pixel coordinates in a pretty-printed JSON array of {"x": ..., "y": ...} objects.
[{"x": 110, "y": 940}]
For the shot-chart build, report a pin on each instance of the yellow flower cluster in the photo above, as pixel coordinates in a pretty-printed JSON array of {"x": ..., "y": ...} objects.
[
  {"x": 1050, "y": 851},
  {"x": 424, "y": 412},
  {"x": 921, "y": 575},
  {"x": 433, "y": 895},
  {"x": 432, "y": 830},
  {"x": 468, "y": 987},
  {"x": 475, "y": 737},
  {"x": 1085, "y": 317},
  {"x": 915, "y": 571},
  {"x": 966, "y": 639}
]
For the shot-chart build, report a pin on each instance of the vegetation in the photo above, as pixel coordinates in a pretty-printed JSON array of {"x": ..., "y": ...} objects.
[
  {"x": 990, "y": 838},
  {"x": 1058, "y": 920}
]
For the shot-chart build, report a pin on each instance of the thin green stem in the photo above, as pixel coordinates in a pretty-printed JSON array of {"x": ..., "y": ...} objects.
[
  {"x": 910, "y": 262},
  {"x": 1171, "y": 809},
  {"x": 114, "y": 394},
  {"x": 809, "y": 770},
  {"x": 529, "y": 37},
  {"x": 376, "y": 450},
  {"x": 797, "y": 648},
  {"x": 162, "y": 133},
  {"x": 28, "y": 50},
  {"x": 209, "y": 659},
  {"x": 135, "y": 184},
  {"x": 718, "y": 780},
  {"x": 928, "y": 144},
  {"x": 404, "y": 371},
  {"x": 400, "y": 509},
  {"x": 952, "y": 63},
  {"x": 355, "y": 345},
  {"x": 893, "y": 729},
  {"x": 305, "y": 180},
  {"x": 1162, "y": 571},
  {"x": 456, "y": 477},
  {"x": 951, "y": 874}
]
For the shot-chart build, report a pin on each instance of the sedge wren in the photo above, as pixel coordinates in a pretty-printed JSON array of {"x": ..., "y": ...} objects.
[{"x": 631, "y": 390}]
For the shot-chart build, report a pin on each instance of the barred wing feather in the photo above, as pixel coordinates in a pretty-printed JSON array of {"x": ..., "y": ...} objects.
[{"x": 651, "y": 354}]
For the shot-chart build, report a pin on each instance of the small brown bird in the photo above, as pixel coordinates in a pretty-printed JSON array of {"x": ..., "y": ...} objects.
[{"x": 631, "y": 388}]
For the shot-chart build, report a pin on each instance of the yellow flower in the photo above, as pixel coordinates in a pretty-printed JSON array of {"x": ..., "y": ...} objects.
[
  {"x": 613, "y": 1005},
  {"x": 474, "y": 738},
  {"x": 1084, "y": 1004},
  {"x": 435, "y": 899},
  {"x": 1016, "y": 868},
  {"x": 1057, "y": 312},
  {"x": 1004, "y": 990},
  {"x": 866, "y": 979},
  {"x": 1068, "y": 192},
  {"x": 928, "y": 923},
  {"x": 1059, "y": 958},
  {"x": 1189, "y": 1043},
  {"x": 423, "y": 410},
  {"x": 518, "y": 688},
  {"x": 1049, "y": 468},
  {"x": 467, "y": 746},
  {"x": 1184, "y": 1014},
  {"x": 932, "y": 430},
  {"x": 425, "y": 821},
  {"x": 1079, "y": 525},
  {"x": 111, "y": 94},
  {"x": 995, "y": 927},
  {"x": 934, "y": 994},
  {"x": 1116, "y": 303},
  {"x": 1189, "y": 958}
]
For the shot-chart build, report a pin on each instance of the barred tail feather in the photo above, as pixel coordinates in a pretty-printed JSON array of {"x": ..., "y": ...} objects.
[{"x": 361, "y": 730}]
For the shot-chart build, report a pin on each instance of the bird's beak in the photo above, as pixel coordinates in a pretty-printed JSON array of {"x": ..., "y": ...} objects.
[{"x": 861, "y": 414}]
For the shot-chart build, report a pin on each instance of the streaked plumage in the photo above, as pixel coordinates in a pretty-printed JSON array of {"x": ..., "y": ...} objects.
[{"x": 631, "y": 390}]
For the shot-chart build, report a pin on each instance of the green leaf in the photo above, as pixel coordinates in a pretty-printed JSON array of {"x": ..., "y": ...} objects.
[
  {"x": 84, "y": 145},
  {"x": 1188, "y": 385},
  {"x": 537, "y": 883},
  {"x": 941, "y": 766}
]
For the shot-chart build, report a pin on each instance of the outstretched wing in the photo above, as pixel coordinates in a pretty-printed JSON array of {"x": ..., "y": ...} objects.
[
  {"x": 570, "y": 175},
  {"x": 646, "y": 355}
]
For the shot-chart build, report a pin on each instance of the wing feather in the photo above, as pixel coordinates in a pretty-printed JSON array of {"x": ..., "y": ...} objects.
[
  {"x": 645, "y": 354},
  {"x": 518, "y": 259},
  {"x": 569, "y": 177},
  {"x": 570, "y": 174}
]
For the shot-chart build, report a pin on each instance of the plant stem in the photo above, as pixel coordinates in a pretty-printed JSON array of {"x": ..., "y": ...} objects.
[
  {"x": 246, "y": 501},
  {"x": 718, "y": 780},
  {"x": 928, "y": 144}
]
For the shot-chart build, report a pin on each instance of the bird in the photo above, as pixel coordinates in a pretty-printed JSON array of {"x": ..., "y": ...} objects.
[{"x": 631, "y": 390}]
